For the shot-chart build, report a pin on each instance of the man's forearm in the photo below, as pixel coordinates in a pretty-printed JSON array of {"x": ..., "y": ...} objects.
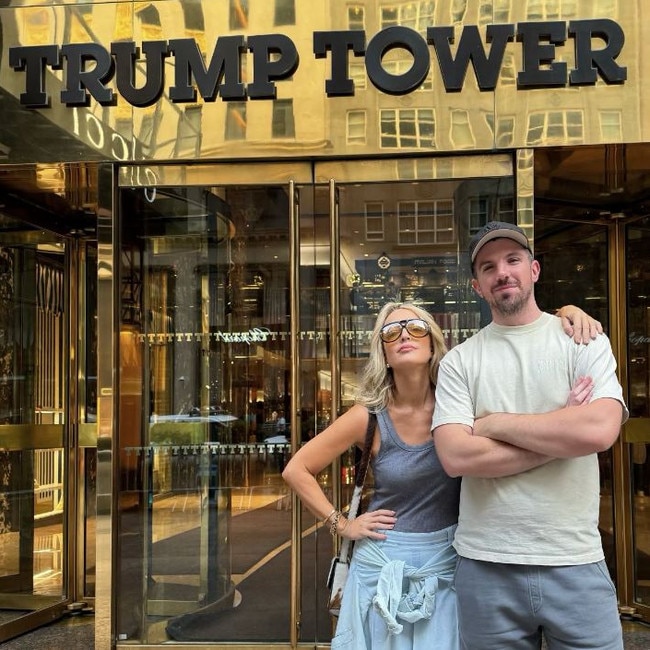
[
  {"x": 463, "y": 454},
  {"x": 564, "y": 433}
]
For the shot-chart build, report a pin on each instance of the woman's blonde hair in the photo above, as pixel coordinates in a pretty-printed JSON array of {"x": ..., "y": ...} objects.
[{"x": 377, "y": 385}]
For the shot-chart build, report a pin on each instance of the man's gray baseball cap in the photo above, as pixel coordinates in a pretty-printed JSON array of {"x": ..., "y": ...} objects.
[{"x": 495, "y": 230}]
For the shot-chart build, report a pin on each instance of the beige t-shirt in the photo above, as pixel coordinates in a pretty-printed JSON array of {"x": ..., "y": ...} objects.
[{"x": 547, "y": 515}]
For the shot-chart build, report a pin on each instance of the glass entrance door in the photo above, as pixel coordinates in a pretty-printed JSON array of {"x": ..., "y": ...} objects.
[
  {"x": 637, "y": 430},
  {"x": 44, "y": 364},
  {"x": 247, "y": 296}
]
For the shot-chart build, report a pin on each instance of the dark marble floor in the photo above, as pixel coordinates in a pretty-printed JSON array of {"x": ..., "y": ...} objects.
[{"x": 77, "y": 632}]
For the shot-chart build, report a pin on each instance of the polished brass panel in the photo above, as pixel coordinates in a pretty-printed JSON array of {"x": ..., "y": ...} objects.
[
  {"x": 414, "y": 169},
  {"x": 88, "y": 435},
  {"x": 18, "y": 437},
  {"x": 335, "y": 329},
  {"x": 637, "y": 430},
  {"x": 296, "y": 392},
  {"x": 214, "y": 174},
  {"x": 106, "y": 334},
  {"x": 302, "y": 121}
]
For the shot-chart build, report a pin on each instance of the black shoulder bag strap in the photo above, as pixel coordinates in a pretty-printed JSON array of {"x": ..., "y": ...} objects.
[{"x": 359, "y": 480}]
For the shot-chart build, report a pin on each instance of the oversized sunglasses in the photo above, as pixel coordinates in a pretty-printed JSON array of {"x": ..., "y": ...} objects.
[{"x": 416, "y": 327}]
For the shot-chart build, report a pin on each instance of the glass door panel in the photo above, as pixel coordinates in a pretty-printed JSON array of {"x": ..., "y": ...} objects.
[
  {"x": 204, "y": 413},
  {"x": 575, "y": 269},
  {"x": 33, "y": 394},
  {"x": 637, "y": 430}
]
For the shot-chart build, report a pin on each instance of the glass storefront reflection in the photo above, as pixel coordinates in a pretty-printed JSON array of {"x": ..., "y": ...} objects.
[
  {"x": 204, "y": 412},
  {"x": 638, "y": 346}
]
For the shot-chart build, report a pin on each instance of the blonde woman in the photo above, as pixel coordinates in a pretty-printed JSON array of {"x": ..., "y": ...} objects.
[{"x": 399, "y": 594}]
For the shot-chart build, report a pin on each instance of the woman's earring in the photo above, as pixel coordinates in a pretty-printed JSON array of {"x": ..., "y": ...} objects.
[{"x": 388, "y": 365}]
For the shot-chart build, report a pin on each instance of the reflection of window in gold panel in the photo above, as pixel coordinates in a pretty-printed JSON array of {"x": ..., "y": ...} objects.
[
  {"x": 406, "y": 237},
  {"x": 575, "y": 126},
  {"x": 238, "y": 14},
  {"x": 505, "y": 208},
  {"x": 485, "y": 12},
  {"x": 356, "y": 17},
  {"x": 356, "y": 127},
  {"x": 235, "y": 121},
  {"x": 502, "y": 11},
  {"x": 81, "y": 22},
  {"x": 123, "y": 22},
  {"x": 458, "y": 9},
  {"x": 461, "y": 131},
  {"x": 400, "y": 66},
  {"x": 607, "y": 8},
  {"x": 389, "y": 16},
  {"x": 445, "y": 229},
  {"x": 358, "y": 75},
  {"x": 508, "y": 73},
  {"x": 611, "y": 128},
  {"x": 416, "y": 15},
  {"x": 505, "y": 132},
  {"x": 374, "y": 221},
  {"x": 551, "y": 9},
  {"x": 123, "y": 111},
  {"x": 39, "y": 26}
]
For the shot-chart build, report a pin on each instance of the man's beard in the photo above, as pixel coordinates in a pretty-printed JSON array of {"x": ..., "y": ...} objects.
[{"x": 510, "y": 305}]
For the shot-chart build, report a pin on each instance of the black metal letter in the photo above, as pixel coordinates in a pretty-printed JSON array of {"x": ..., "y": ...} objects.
[
  {"x": 77, "y": 78},
  {"x": 264, "y": 69},
  {"x": 470, "y": 48},
  {"x": 386, "y": 40},
  {"x": 604, "y": 59},
  {"x": 126, "y": 55},
  {"x": 225, "y": 64},
  {"x": 339, "y": 43},
  {"x": 536, "y": 54},
  {"x": 33, "y": 59}
]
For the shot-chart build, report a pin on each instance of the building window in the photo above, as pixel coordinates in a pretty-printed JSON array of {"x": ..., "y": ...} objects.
[
  {"x": 283, "y": 122},
  {"x": 611, "y": 127},
  {"x": 502, "y": 11},
  {"x": 193, "y": 14},
  {"x": 416, "y": 15},
  {"x": 425, "y": 222},
  {"x": 478, "y": 213},
  {"x": 408, "y": 127},
  {"x": 235, "y": 121},
  {"x": 508, "y": 74},
  {"x": 505, "y": 135},
  {"x": 358, "y": 75},
  {"x": 374, "y": 221},
  {"x": 506, "y": 209},
  {"x": 555, "y": 127},
  {"x": 238, "y": 14},
  {"x": 398, "y": 67},
  {"x": 188, "y": 139},
  {"x": 356, "y": 127},
  {"x": 458, "y": 9},
  {"x": 551, "y": 9},
  {"x": 606, "y": 8},
  {"x": 285, "y": 12},
  {"x": 356, "y": 17},
  {"x": 461, "y": 130}
]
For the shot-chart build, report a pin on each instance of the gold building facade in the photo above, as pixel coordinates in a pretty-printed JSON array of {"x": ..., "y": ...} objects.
[{"x": 203, "y": 205}]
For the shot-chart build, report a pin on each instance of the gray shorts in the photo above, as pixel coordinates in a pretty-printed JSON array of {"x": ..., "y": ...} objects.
[{"x": 513, "y": 606}]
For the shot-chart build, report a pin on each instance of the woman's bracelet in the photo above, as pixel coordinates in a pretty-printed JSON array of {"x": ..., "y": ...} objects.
[
  {"x": 329, "y": 516},
  {"x": 334, "y": 526}
]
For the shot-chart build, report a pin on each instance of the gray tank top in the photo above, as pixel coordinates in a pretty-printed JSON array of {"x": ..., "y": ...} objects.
[{"x": 410, "y": 480}]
